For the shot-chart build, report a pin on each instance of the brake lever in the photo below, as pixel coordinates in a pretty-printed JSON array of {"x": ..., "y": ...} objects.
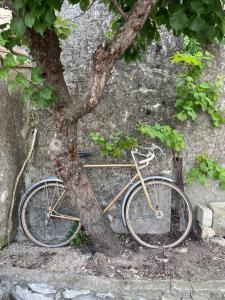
[{"x": 155, "y": 147}]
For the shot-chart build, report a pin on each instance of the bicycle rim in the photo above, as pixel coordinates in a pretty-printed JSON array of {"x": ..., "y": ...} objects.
[
  {"x": 165, "y": 230},
  {"x": 39, "y": 227}
]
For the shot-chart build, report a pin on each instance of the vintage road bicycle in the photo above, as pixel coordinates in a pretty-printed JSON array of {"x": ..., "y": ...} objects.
[{"x": 156, "y": 212}]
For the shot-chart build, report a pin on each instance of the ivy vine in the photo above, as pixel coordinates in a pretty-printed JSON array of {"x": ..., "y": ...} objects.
[
  {"x": 206, "y": 168},
  {"x": 165, "y": 134},
  {"x": 119, "y": 142},
  {"x": 194, "y": 93}
]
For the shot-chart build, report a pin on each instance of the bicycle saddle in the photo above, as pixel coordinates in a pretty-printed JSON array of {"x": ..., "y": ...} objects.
[{"x": 84, "y": 154}]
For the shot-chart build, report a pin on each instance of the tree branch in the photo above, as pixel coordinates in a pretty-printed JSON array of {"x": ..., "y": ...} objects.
[
  {"x": 46, "y": 52},
  {"x": 106, "y": 56},
  {"x": 119, "y": 9}
]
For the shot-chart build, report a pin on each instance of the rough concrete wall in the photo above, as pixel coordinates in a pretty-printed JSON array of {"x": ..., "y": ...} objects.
[
  {"x": 141, "y": 91},
  {"x": 27, "y": 284},
  {"x": 11, "y": 150}
]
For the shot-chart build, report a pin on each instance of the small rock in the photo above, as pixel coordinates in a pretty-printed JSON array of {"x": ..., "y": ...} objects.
[
  {"x": 182, "y": 250},
  {"x": 133, "y": 270},
  {"x": 70, "y": 294},
  {"x": 105, "y": 295},
  {"x": 22, "y": 293},
  {"x": 165, "y": 260},
  {"x": 206, "y": 233},
  {"x": 219, "y": 241},
  {"x": 42, "y": 288},
  {"x": 110, "y": 217}
]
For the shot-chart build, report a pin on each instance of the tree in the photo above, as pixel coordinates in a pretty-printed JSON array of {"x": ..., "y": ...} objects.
[{"x": 134, "y": 26}]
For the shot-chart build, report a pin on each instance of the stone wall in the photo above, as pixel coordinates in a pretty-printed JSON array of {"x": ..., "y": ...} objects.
[
  {"x": 138, "y": 92},
  {"x": 37, "y": 285},
  {"x": 11, "y": 153}
]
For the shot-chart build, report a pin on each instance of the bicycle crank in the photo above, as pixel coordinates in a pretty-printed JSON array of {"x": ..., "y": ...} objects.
[{"x": 159, "y": 214}]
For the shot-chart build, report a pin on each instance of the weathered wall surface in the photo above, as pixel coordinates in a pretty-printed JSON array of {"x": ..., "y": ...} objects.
[
  {"x": 11, "y": 152},
  {"x": 37, "y": 285},
  {"x": 141, "y": 91},
  {"x": 138, "y": 92}
]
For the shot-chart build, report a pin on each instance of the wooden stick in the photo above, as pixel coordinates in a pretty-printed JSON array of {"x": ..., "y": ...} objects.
[{"x": 10, "y": 223}]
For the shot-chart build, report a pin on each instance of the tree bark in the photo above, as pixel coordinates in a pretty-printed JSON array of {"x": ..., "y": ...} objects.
[{"x": 63, "y": 147}]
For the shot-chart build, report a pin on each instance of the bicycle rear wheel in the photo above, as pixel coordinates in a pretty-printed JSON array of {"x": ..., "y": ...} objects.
[
  {"x": 37, "y": 222},
  {"x": 165, "y": 229}
]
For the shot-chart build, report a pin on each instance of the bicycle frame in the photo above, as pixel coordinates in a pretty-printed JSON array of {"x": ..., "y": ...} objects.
[{"x": 138, "y": 174}]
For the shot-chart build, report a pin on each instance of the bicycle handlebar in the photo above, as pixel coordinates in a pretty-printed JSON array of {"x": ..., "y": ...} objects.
[{"x": 150, "y": 155}]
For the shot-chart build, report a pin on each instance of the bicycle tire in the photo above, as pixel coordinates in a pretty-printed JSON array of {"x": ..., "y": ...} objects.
[
  {"x": 142, "y": 222},
  {"x": 47, "y": 231}
]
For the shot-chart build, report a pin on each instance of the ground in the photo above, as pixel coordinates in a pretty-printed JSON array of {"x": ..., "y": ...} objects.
[{"x": 194, "y": 260}]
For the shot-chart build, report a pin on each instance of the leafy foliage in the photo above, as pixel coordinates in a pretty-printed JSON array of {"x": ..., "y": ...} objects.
[
  {"x": 41, "y": 15},
  {"x": 120, "y": 141},
  {"x": 205, "y": 167},
  {"x": 63, "y": 27},
  {"x": 36, "y": 90},
  {"x": 167, "y": 135},
  {"x": 195, "y": 94},
  {"x": 80, "y": 239},
  {"x": 203, "y": 20}
]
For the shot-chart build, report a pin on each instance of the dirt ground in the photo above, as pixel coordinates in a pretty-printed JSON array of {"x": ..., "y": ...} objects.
[{"x": 194, "y": 260}]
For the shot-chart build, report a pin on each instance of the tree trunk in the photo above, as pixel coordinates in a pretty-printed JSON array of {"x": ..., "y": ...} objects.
[{"x": 67, "y": 166}]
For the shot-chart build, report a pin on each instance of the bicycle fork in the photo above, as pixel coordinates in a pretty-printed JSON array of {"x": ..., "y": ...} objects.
[{"x": 157, "y": 212}]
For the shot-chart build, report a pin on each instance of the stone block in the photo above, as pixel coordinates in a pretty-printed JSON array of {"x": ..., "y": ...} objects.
[
  {"x": 204, "y": 215},
  {"x": 218, "y": 209},
  {"x": 42, "y": 288},
  {"x": 218, "y": 241},
  {"x": 23, "y": 293},
  {"x": 206, "y": 233},
  {"x": 70, "y": 294}
]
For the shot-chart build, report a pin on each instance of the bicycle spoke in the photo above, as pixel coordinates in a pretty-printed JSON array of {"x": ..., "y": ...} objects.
[
  {"x": 153, "y": 229},
  {"x": 39, "y": 225}
]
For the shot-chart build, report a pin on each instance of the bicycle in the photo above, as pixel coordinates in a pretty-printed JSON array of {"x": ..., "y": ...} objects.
[{"x": 156, "y": 212}]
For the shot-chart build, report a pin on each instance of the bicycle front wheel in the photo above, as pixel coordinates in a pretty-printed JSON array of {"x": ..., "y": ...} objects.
[
  {"x": 47, "y": 217},
  {"x": 164, "y": 226}
]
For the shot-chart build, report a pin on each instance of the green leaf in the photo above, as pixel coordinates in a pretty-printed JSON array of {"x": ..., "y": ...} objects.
[
  {"x": 84, "y": 4},
  {"x": 178, "y": 20},
  {"x": 9, "y": 61},
  {"x": 18, "y": 27},
  {"x": 2, "y": 41},
  {"x": 74, "y": 1},
  {"x": 21, "y": 59},
  {"x": 197, "y": 24},
  {"x": 21, "y": 79},
  {"x": 18, "y": 4},
  {"x": 198, "y": 7},
  {"x": 11, "y": 86},
  {"x": 3, "y": 74},
  {"x": 40, "y": 26},
  {"x": 56, "y": 4},
  {"x": 46, "y": 93},
  {"x": 36, "y": 76},
  {"x": 49, "y": 16},
  {"x": 207, "y": 1},
  {"x": 202, "y": 179},
  {"x": 27, "y": 93},
  {"x": 38, "y": 11},
  {"x": 29, "y": 19},
  {"x": 192, "y": 114}
]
